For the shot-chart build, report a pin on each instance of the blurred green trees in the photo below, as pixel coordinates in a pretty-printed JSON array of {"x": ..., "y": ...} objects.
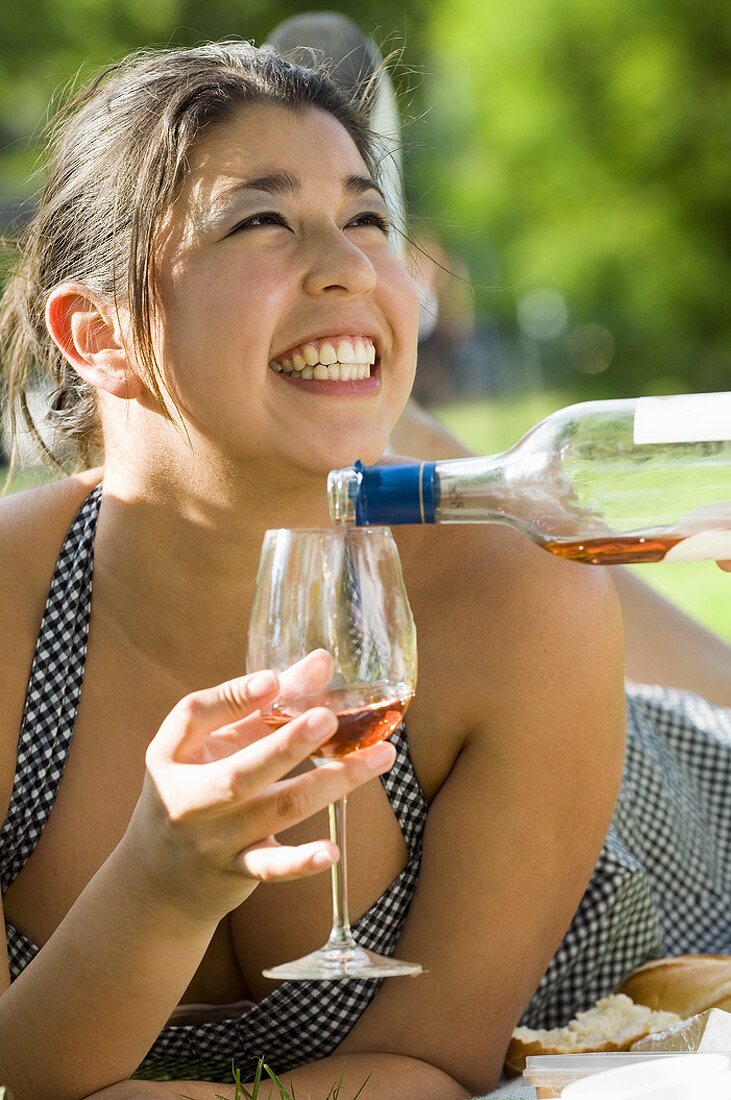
[
  {"x": 575, "y": 152},
  {"x": 586, "y": 147}
]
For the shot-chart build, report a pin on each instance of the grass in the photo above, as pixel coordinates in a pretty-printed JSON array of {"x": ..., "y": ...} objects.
[
  {"x": 698, "y": 588},
  {"x": 242, "y": 1093}
]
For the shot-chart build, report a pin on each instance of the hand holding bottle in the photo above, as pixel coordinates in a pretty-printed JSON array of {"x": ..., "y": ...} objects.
[{"x": 218, "y": 789}]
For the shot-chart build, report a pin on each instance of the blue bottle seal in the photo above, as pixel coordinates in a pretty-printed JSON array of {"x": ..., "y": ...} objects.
[{"x": 397, "y": 494}]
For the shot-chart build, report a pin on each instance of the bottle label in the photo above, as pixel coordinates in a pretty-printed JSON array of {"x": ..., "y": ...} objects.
[{"x": 687, "y": 418}]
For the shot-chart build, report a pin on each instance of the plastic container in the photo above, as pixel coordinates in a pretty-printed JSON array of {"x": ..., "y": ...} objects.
[
  {"x": 550, "y": 1074},
  {"x": 687, "y": 1077}
]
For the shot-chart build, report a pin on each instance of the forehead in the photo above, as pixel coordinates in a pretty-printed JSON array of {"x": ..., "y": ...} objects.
[{"x": 267, "y": 139}]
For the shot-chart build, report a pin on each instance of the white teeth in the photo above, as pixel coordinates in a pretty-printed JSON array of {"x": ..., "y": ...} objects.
[
  {"x": 346, "y": 360},
  {"x": 336, "y": 372},
  {"x": 346, "y": 354}
]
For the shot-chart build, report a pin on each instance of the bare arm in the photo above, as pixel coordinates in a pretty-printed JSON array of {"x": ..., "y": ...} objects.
[
  {"x": 665, "y": 646},
  {"x": 390, "y": 1077},
  {"x": 86, "y": 1010},
  {"x": 532, "y": 677}
]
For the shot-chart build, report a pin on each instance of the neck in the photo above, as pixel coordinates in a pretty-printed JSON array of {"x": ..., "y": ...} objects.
[{"x": 177, "y": 550}]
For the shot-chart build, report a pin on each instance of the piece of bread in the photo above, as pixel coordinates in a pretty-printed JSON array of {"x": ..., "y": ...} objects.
[
  {"x": 615, "y": 1023},
  {"x": 687, "y": 984}
]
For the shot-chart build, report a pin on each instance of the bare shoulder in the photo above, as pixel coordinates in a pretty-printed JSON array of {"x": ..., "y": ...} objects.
[
  {"x": 33, "y": 524},
  {"x": 509, "y": 636}
]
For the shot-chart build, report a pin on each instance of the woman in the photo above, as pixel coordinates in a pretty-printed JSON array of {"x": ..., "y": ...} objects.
[{"x": 210, "y": 214}]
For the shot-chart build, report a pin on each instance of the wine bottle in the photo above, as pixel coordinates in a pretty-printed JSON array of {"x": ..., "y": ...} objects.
[{"x": 602, "y": 482}]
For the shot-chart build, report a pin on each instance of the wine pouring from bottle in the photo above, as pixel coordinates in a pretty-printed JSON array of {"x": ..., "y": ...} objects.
[{"x": 602, "y": 482}]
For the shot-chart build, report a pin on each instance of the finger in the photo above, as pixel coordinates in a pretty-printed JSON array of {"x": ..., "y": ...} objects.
[
  {"x": 272, "y": 756},
  {"x": 725, "y": 565},
  {"x": 308, "y": 676},
  {"x": 271, "y": 861},
  {"x": 219, "y": 786},
  {"x": 303, "y": 682},
  {"x": 202, "y": 712},
  {"x": 294, "y": 800}
]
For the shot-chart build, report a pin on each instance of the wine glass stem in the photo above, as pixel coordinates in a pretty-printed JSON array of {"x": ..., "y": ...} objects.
[{"x": 341, "y": 936}]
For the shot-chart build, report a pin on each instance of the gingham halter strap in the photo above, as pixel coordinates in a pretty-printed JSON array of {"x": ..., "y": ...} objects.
[{"x": 53, "y": 694}]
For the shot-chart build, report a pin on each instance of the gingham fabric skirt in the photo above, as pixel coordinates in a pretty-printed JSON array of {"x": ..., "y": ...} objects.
[{"x": 662, "y": 883}]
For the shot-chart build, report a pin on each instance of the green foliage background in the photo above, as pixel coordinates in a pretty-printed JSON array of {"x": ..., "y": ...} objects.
[
  {"x": 573, "y": 146},
  {"x": 589, "y": 144}
]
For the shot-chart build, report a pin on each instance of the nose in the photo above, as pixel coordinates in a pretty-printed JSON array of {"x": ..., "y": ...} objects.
[{"x": 335, "y": 265}]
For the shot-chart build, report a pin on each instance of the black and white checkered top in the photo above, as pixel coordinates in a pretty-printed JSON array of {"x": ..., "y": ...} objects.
[{"x": 299, "y": 1021}]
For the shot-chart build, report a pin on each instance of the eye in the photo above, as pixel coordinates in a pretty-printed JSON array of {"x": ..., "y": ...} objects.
[
  {"x": 372, "y": 219},
  {"x": 260, "y": 221}
]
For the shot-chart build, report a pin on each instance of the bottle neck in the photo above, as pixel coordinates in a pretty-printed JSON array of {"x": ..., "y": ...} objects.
[
  {"x": 472, "y": 490},
  {"x": 397, "y": 494}
]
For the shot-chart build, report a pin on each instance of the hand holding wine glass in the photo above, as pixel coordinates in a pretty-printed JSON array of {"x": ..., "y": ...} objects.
[
  {"x": 341, "y": 592},
  {"x": 217, "y": 792}
]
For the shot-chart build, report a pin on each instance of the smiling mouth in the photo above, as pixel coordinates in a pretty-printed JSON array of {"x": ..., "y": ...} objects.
[{"x": 349, "y": 359}]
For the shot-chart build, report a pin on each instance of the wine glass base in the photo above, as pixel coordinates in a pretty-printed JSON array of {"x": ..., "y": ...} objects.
[{"x": 340, "y": 964}]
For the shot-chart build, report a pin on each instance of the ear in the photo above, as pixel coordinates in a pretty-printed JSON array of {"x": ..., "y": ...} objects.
[{"x": 84, "y": 330}]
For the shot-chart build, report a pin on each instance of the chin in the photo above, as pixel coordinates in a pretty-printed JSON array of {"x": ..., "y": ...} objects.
[{"x": 321, "y": 459}]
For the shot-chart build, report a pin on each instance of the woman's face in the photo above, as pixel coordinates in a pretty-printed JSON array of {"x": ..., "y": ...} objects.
[{"x": 273, "y": 264}]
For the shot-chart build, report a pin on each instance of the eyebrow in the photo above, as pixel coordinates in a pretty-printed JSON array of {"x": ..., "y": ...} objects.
[{"x": 283, "y": 183}]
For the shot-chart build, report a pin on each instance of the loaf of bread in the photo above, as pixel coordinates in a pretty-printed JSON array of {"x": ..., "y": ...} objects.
[
  {"x": 686, "y": 984},
  {"x": 615, "y": 1023}
]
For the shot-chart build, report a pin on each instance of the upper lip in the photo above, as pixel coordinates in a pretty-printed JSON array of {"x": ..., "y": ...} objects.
[{"x": 335, "y": 334}]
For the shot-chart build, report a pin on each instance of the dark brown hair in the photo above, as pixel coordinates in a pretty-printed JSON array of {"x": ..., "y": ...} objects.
[{"x": 117, "y": 157}]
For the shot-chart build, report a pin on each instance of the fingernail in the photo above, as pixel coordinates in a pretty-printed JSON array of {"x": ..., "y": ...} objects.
[
  {"x": 261, "y": 683},
  {"x": 381, "y": 756},
  {"x": 318, "y": 725},
  {"x": 322, "y": 859}
]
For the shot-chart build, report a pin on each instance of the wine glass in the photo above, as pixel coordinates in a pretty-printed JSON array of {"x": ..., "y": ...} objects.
[{"x": 342, "y": 591}]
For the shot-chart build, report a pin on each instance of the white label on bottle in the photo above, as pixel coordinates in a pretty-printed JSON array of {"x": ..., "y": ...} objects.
[
  {"x": 708, "y": 546},
  {"x": 689, "y": 418}
]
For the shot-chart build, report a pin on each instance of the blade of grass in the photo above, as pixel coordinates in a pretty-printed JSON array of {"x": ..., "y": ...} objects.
[
  {"x": 360, "y": 1090},
  {"x": 281, "y": 1089}
]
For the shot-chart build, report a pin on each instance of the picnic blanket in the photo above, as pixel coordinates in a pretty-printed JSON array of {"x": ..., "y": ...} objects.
[{"x": 512, "y": 1090}]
